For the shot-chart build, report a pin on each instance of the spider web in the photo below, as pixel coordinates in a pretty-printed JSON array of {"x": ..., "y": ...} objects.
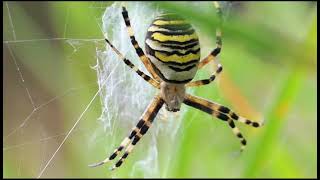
[
  {"x": 38, "y": 136},
  {"x": 26, "y": 133}
]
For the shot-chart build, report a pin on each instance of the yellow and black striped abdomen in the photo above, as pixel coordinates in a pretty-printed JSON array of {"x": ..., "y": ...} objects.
[{"x": 173, "y": 47}]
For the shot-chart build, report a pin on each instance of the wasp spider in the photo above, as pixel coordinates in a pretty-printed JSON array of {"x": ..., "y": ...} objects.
[{"x": 172, "y": 58}]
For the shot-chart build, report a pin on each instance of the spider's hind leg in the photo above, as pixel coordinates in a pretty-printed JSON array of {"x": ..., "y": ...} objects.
[
  {"x": 147, "y": 78},
  {"x": 145, "y": 60},
  {"x": 212, "y": 56},
  {"x": 217, "y": 50},
  {"x": 206, "y": 81}
]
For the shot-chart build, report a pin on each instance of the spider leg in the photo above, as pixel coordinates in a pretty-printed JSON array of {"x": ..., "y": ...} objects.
[
  {"x": 221, "y": 112},
  {"x": 140, "y": 129},
  {"x": 206, "y": 81},
  {"x": 123, "y": 144},
  {"x": 132, "y": 66},
  {"x": 128, "y": 150},
  {"x": 210, "y": 57},
  {"x": 145, "y": 60},
  {"x": 237, "y": 133},
  {"x": 149, "y": 116},
  {"x": 217, "y": 50}
]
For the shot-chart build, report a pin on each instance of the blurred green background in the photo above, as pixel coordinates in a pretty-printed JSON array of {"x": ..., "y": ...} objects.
[{"x": 269, "y": 59}]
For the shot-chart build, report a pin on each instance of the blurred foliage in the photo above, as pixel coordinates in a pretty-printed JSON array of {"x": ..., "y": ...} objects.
[{"x": 269, "y": 57}]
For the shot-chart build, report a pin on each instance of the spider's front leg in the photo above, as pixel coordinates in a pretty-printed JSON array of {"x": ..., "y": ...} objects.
[
  {"x": 222, "y": 113},
  {"x": 135, "y": 135}
]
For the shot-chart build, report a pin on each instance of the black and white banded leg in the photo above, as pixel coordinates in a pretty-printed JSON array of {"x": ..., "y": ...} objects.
[
  {"x": 135, "y": 135},
  {"x": 147, "y": 78},
  {"x": 206, "y": 81},
  {"x": 221, "y": 112},
  {"x": 217, "y": 50},
  {"x": 145, "y": 60}
]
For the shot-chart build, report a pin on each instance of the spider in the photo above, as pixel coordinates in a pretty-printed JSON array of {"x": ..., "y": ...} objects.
[{"x": 173, "y": 58}]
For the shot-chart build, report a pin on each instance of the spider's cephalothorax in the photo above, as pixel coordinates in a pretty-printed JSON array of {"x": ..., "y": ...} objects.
[
  {"x": 172, "y": 95},
  {"x": 172, "y": 46},
  {"x": 172, "y": 58}
]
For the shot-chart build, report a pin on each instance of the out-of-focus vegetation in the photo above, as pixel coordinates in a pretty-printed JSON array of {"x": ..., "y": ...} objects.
[{"x": 269, "y": 59}]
